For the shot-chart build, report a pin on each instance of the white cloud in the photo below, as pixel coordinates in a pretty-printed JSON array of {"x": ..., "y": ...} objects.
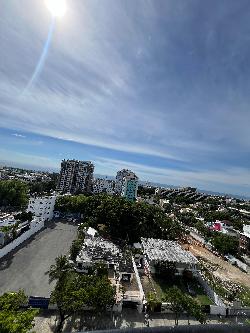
[{"x": 19, "y": 135}]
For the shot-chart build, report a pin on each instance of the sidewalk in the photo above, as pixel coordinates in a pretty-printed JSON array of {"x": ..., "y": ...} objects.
[{"x": 128, "y": 318}]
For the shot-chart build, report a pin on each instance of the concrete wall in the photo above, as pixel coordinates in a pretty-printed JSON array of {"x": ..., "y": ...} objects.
[
  {"x": 217, "y": 310},
  {"x": 211, "y": 294},
  {"x": 35, "y": 227},
  {"x": 142, "y": 295}
]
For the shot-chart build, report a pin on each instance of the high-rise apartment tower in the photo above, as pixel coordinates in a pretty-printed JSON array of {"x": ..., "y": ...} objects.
[
  {"x": 76, "y": 176},
  {"x": 126, "y": 184}
]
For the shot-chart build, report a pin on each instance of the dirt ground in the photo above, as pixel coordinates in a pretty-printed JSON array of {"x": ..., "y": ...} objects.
[{"x": 224, "y": 270}]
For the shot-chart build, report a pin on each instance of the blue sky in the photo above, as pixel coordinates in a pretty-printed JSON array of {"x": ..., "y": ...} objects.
[{"x": 161, "y": 87}]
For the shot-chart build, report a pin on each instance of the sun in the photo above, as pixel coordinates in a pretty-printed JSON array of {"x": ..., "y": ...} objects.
[{"x": 56, "y": 7}]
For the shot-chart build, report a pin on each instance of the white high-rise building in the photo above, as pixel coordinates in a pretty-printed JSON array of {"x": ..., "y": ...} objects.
[
  {"x": 76, "y": 176},
  {"x": 119, "y": 180},
  {"x": 103, "y": 186},
  {"x": 42, "y": 207},
  {"x": 126, "y": 184}
]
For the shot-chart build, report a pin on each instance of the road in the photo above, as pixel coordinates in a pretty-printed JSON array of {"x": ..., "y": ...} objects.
[{"x": 27, "y": 267}]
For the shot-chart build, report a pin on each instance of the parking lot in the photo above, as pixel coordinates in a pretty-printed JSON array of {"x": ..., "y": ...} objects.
[{"x": 28, "y": 266}]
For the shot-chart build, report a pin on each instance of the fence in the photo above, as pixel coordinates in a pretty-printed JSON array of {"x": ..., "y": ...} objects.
[
  {"x": 35, "y": 227},
  {"x": 241, "y": 311}
]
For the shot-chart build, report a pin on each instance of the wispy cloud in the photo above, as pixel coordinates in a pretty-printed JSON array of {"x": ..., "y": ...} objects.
[
  {"x": 19, "y": 135},
  {"x": 134, "y": 77}
]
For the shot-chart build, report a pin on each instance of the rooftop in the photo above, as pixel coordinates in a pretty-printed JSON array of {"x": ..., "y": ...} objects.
[
  {"x": 163, "y": 250},
  {"x": 97, "y": 248}
]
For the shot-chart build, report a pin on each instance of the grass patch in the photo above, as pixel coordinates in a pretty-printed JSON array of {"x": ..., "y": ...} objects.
[
  {"x": 203, "y": 300},
  {"x": 161, "y": 285}
]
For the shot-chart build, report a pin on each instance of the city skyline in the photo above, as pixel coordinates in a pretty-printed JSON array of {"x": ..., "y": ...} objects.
[{"x": 158, "y": 87}]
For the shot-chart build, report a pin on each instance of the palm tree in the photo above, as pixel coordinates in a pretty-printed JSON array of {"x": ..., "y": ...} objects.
[{"x": 59, "y": 269}]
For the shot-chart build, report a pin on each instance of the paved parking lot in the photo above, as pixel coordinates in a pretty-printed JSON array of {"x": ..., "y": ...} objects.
[{"x": 27, "y": 267}]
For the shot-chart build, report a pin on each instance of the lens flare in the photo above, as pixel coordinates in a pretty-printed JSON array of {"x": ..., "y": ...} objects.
[
  {"x": 56, "y": 7},
  {"x": 42, "y": 59}
]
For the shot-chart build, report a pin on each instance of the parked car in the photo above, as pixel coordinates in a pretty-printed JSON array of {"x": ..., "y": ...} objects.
[{"x": 230, "y": 259}]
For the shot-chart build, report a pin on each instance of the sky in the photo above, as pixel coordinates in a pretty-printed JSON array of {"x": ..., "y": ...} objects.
[{"x": 161, "y": 87}]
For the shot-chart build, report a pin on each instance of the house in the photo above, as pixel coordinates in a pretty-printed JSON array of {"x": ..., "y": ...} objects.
[
  {"x": 7, "y": 224},
  {"x": 159, "y": 251}
]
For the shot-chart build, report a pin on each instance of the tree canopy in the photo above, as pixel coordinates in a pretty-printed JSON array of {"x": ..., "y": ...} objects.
[
  {"x": 74, "y": 291},
  {"x": 41, "y": 187},
  {"x": 12, "y": 318},
  {"x": 181, "y": 302},
  {"x": 13, "y": 193},
  {"x": 225, "y": 243},
  {"x": 123, "y": 219}
]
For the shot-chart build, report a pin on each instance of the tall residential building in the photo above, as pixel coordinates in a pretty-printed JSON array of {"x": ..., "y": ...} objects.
[
  {"x": 126, "y": 184},
  {"x": 76, "y": 176},
  {"x": 103, "y": 186},
  {"x": 130, "y": 186},
  {"x": 119, "y": 180}
]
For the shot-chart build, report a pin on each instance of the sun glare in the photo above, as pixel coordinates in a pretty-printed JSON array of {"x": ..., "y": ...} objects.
[{"x": 56, "y": 7}]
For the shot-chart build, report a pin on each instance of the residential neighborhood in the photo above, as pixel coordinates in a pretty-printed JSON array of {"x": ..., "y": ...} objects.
[{"x": 144, "y": 243}]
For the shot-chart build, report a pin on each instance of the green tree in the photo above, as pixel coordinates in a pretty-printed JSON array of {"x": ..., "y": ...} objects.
[
  {"x": 188, "y": 219},
  {"x": 74, "y": 291},
  {"x": 152, "y": 301},
  {"x": 193, "y": 309},
  {"x": 12, "y": 318},
  {"x": 13, "y": 193},
  {"x": 225, "y": 243},
  {"x": 122, "y": 219},
  {"x": 75, "y": 248},
  {"x": 59, "y": 270},
  {"x": 41, "y": 187},
  {"x": 180, "y": 302},
  {"x": 175, "y": 298}
]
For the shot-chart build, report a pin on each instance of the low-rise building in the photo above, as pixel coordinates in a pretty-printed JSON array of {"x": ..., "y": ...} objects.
[
  {"x": 159, "y": 251},
  {"x": 10, "y": 227}
]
